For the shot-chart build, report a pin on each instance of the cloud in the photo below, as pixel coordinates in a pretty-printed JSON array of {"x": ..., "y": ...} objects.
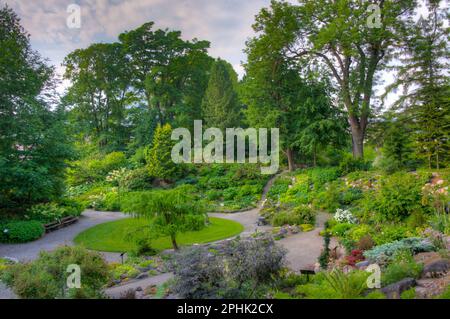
[{"x": 225, "y": 23}]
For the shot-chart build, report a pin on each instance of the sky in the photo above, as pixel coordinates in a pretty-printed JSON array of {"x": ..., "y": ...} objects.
[{"x": 227, "y": 24}]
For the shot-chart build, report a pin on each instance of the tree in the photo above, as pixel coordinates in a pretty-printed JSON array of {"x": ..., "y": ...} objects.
[
  {"x": 33, "y": 144},
  {"x": 279, "y": 92},
  {"x": 169, "y": 212},
  {"x": 397, "y": 146},
  {"x": 423, "y": 76},
  {"x": 159, "y": 155},
  {"x": 100, "y": 93},
  {"x": 169, "y": 74},
  {"x": 220, "y": 106},
  {"x": 342, "y": 37}
]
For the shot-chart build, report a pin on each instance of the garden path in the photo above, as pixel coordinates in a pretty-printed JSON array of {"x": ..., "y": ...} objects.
[
  {"x": 60, "y": 237},
  {"x": 303, "y": 249}
]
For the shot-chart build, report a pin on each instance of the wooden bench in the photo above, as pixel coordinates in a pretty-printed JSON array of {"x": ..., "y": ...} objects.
[{"x": 64, "y": 222}]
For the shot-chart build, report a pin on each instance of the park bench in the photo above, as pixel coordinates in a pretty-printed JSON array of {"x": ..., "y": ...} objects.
[{"x": 66, "y": 221}]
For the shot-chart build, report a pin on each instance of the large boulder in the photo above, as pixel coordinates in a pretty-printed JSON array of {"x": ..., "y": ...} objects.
[
  {"x": 436, "y": 269},
  {"x": 394, "y": 290}
]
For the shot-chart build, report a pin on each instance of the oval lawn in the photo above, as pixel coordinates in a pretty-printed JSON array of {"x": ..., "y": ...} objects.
[{"x": 112, "y": 236}]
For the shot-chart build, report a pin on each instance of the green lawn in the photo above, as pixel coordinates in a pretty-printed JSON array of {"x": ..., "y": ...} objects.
[{"x": 111, "y": 236}]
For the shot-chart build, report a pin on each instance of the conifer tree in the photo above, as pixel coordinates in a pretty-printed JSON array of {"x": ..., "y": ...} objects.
[{"x": 220, "y": 105}]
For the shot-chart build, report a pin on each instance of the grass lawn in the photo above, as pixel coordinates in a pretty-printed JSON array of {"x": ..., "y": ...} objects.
[{"x": 111, "y": 236}]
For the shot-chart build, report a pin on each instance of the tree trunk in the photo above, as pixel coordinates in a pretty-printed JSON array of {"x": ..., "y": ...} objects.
[
  {"x": 357, "y": 138},
  {"x": 174, "y": 242},
  {"x": 290, "y": 158}
]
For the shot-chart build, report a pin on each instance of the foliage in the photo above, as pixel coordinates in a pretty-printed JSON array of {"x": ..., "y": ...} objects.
[
  {"x": 220, "y": 106},
  {"x": 385, "y": 253},
  {"x": 125, "y": 235},
  {"x": 169, "y": 212},
  {"x": 344, "y": 216},
  {"x": 20, "y": 231},
  {"x": 349, "y": 164},
  {"x": 398, "y": 196},
  {"x": 250, "y": 265},
  {"x": 295, "y": 216},
  {"x": 34, "y": 146},
  {"x": 335, "y": 285},
  {"x": 45, "y": 277},
  {"x": 95, "y": 169},
  {"x": 50, "y": 212},
  {"x": 402, "y": 266},
  {"x": 158, "y": 157}
]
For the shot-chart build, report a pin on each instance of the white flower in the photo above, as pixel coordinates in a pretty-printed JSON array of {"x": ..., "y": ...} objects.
[{"x": 344, "y": 216}]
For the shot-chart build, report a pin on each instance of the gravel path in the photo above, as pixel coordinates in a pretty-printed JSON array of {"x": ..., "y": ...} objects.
[
  {"x": 61, "y": 237},
  {"x": 303, "y": 249},
  {"x": 117, "y": 291}
]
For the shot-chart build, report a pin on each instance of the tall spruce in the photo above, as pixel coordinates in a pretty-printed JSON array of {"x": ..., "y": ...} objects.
[
  {"x": 423, "y": 76},
  {"x": 220, "y": 105}
]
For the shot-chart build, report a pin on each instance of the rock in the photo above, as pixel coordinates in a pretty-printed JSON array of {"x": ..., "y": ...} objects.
[
  {"x": 139, "y": 288},
  {"x": 262, "y": 221},
  {"x": 362, "y": 264},
  {"x": 142, "y": 276},
  {"x": 394, "y": 290},
  {"x": 436, "y": 269}
]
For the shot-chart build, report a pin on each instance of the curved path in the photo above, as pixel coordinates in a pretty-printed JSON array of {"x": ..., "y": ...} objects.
[
  {"x": 60, "y": 237},
  {"x": 303, "y": 249}
]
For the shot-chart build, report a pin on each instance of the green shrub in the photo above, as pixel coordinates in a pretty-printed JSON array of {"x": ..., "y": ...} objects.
[
  {"x": 90, "y": 170},
  {"x": 402, "y": 266},
  {"x": 21, "y": 231},
  {"x": 136, "y": 179},
  {"x": 44, "y": 277},
  {"x": 50, "y": 212},
  {"x": 390, "y": 233},
  {"x": 385, "y": 253},
  {"x": 350, "y": 164},
  {"x": 45, "y": 213},
  {"x": 399, "y": 196},
  {"x": 359, "y": 231},
  {"x": 341, "y": 229},
  {"x": 296, "y": 216},
  {"x": 335, "y": 285}
]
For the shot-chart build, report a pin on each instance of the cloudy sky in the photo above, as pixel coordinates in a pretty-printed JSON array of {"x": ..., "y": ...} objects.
[{"x": 225, "y": 23}]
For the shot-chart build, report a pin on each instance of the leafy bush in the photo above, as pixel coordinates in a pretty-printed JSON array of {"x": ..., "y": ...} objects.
[
  {"x": 385, "y": 253},
  {"x": 399, "y": 196},
  {"x": 44, "y": 277},
  {"x": 45, "y": 213},
  {"x": 21, "y": 231},
  {"x": 389, "y": 233},
  {"x": 350, "y": 164},
  {"x": 50, "y": 212},
  {"x": 335, "y": 285},
  {"x": 250, "y": 263},
  {"x": 402, "y": 266},
  {"x": 296, "y": 216},
  {"x": 90, "y": 170}
]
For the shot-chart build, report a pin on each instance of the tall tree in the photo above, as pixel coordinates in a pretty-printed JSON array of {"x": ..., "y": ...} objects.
[
  {"x": 99, "y": 93},
  {"x": 350, "y": 39},
  {"x": 279, "y": 92},
  {"x": 33, "y": 144},
  {"x": 220, "y": 107},
  {"x": 166, "y": 69},
  {"x": 423, "y": 76}
]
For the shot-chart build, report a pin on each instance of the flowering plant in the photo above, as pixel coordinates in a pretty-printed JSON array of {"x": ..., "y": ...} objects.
[{"x": 344, "y": 216}]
